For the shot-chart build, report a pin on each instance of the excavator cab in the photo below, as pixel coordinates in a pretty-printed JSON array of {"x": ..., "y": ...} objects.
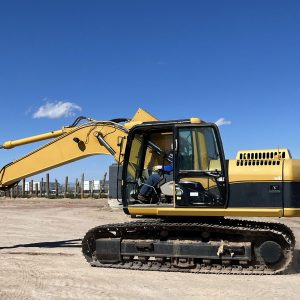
[{"x": 191, "y": 153}]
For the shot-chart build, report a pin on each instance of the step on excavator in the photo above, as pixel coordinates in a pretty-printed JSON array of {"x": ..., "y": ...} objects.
[{"x": 193, "y": 219}]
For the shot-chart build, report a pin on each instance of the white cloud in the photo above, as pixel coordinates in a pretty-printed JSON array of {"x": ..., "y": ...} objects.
[
  {"x": 222, "y": 121},
  {"x": 57, "y": 109}
]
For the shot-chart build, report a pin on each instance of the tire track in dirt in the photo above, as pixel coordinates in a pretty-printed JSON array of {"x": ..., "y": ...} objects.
[{"x": 27, "y": 276}]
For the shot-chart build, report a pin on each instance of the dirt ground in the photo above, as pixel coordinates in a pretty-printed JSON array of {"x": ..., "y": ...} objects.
[{"x": 40, "y": 258}]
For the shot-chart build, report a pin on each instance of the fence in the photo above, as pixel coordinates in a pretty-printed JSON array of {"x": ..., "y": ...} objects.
[{"x": 81, "y": 189}]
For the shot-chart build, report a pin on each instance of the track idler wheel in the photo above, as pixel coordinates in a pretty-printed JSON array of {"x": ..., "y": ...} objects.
[{"x": 270, "y": 252}]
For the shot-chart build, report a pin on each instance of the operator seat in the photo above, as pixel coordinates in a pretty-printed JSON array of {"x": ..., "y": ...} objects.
[{"x": 168, "y": 188}]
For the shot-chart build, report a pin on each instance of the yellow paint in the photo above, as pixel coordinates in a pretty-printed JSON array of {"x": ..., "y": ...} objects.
[
  {"x": 35, "y": 138},
  {"x": 140, "y": 117},
  {"x": 195, "y": 120},
  {"x": 228, "y": 212},
  {"x": 292, "y": 170},
  {"x": 64, "y": 150},
  {"x": 292, "y": 212},
  {"x": 255, "y": 173}
]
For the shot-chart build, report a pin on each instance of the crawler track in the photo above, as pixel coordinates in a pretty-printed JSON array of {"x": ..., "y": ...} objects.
[{"x": 229, "y": 230}]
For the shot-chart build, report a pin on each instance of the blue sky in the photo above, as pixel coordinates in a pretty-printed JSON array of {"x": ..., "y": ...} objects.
[{"x": 233, "y": 59}]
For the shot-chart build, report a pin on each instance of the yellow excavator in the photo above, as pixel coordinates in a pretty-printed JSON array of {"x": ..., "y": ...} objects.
[{"x": 183, "y": 221}]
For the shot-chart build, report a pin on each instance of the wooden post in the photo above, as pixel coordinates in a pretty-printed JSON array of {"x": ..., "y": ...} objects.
[
  {"x": 16, "y": 189},
  {"x": 100, "y": 187},
  {"x": 82, "y": 186},
  {"x": 31, "y": 187},
  {"x": 11, "y": 192},
  {"x": 47, "y": 186},
  {"x": 103, "y": 184},
  {"x": 23, "y": 187},
  {"x": 66, "y": 187},
  {"x": 42, "y": 187},
  {"x": 56, "y": 188},
  {"x": 92, "y": 189},
  {"x": 36, "y": 189},
  {"x": 76, "y": 188}
]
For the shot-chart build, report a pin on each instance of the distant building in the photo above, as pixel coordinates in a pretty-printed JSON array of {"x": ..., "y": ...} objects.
[
  {"x": 90, "y": 184},
  {"x": 38, "y": 184}
]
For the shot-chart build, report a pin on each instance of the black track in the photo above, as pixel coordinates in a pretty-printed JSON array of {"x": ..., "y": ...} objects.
[{"x": 223, "y": 229}]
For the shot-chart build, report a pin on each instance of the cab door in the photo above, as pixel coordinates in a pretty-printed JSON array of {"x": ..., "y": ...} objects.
[{"x": 199, "y": 167}]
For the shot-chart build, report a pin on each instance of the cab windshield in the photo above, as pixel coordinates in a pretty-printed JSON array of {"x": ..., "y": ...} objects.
[{"x": 197, "y": 150}]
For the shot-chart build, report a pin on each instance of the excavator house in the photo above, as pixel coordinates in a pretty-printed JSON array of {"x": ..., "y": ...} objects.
[{"x": 190, "y": 220}]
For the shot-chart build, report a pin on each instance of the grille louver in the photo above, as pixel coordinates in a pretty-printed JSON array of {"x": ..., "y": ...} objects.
[{"x": 270, "y": 157}]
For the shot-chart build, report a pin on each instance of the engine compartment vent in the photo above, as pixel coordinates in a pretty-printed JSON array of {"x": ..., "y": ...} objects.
[
  {"x": 267, "y": 157},
  {"x": 244, "y": 163}
]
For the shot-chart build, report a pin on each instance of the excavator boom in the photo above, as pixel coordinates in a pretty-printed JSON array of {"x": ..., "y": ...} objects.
[{"x": 70, "y": 144}]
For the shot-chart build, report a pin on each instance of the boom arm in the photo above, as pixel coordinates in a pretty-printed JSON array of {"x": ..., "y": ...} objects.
[{"x": 72, "y": 143}]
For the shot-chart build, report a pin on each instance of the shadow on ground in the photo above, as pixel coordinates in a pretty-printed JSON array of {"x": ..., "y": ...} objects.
[{"x": 58, "y": 244}]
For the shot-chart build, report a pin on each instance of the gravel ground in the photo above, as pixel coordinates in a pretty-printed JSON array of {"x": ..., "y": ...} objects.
[{"x": 40, "y": 258}]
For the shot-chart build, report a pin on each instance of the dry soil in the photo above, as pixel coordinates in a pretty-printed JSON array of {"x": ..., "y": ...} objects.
[{"x": 40, "y": 258}]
